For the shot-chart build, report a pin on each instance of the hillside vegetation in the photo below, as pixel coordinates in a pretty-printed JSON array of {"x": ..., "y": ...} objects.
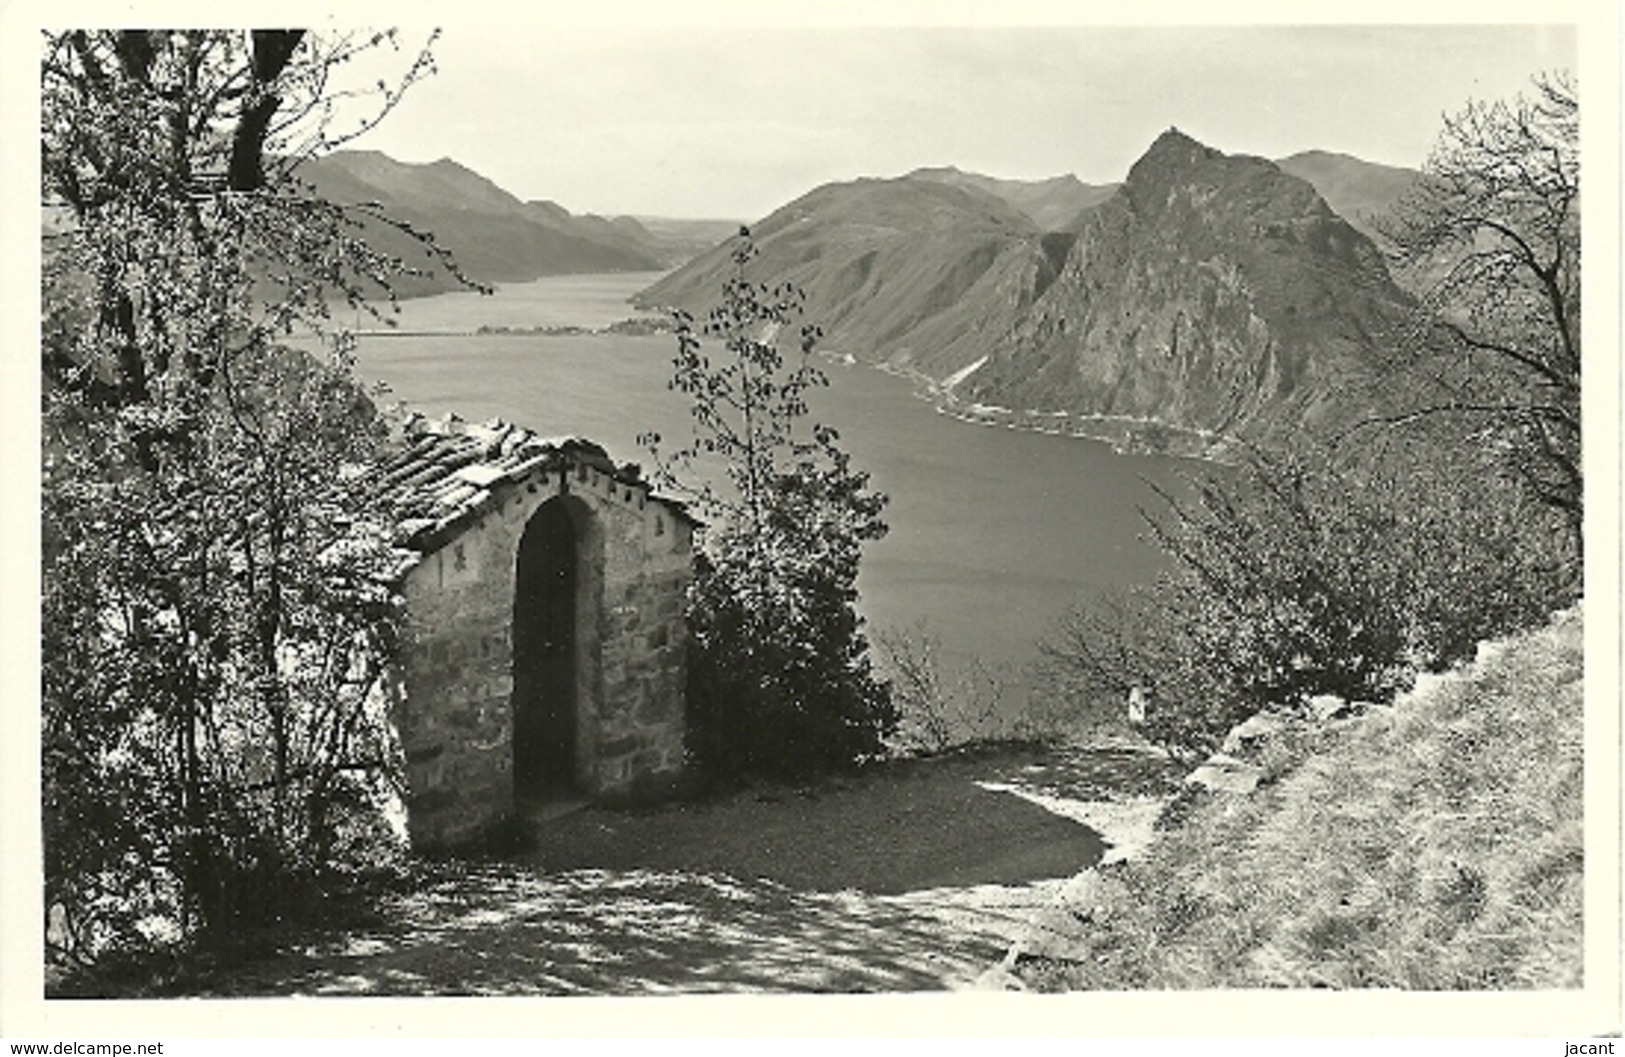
[{"x": 1437, "y": 844}]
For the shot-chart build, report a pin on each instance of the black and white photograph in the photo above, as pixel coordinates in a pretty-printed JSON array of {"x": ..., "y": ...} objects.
[{"x": 746, "y": 500}]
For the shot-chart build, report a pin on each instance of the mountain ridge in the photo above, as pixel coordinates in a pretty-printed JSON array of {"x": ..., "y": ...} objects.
[
  {"x": 494, "y": 235},
  {"x": 1053, "y": 204},
  {"x": 912, "y": 266},
  {"x": 1360, "y": 191},
  {"x": 1216, "y": 294}
]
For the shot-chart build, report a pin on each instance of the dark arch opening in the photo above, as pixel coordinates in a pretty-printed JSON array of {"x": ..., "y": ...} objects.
[{"x": 548, "y": 649}]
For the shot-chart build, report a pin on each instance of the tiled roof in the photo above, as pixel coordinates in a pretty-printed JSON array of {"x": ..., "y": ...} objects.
[{"x": 448, "y": 471}]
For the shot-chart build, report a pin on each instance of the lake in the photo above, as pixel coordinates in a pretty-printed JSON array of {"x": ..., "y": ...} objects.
[{"x": 994, "y": 532}]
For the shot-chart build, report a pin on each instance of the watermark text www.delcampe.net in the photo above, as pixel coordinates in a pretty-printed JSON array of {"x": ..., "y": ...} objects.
[{"x": 90, "y": 1049}]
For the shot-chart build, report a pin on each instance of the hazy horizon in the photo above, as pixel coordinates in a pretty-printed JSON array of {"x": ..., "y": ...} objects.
[{"x": 693, "y": 121}]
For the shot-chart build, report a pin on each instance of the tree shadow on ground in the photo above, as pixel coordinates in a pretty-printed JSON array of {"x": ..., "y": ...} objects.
[
  {"x": 503, "y": 930},
  {"x": 912, "y": 877}
]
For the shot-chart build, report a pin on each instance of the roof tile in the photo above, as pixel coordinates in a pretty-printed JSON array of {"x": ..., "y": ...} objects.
[{"x": 447, "y": 471}]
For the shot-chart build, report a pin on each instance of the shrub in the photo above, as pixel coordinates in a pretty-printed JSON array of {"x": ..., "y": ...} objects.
[
  {"x": 780, "y": 681},
  {"x": 1295, "y": 576}
]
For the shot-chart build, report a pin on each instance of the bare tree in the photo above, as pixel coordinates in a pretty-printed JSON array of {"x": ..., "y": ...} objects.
[{"x": 1493, "y": 233}]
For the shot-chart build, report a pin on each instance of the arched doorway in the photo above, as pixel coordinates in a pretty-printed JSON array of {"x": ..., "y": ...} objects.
[{"x": 548, "y": 651}]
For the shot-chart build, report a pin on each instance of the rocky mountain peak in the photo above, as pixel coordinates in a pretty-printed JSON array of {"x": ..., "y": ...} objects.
[
  {"x": 1173, "y": 160},
  {"x": 1173, "y": 149},
  {"x": 1181, "y": 174},
  {"x": 1213, "y": 293}
]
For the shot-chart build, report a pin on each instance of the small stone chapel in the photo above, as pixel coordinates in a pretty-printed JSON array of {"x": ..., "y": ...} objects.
[{"x": 543, "y": 657}]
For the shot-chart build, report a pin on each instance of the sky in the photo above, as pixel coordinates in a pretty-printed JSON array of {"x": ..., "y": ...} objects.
[{"x": 651, "y": 116}]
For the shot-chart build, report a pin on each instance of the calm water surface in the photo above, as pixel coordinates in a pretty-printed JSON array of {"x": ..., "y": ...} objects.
[{"x": 994, "y": 532}]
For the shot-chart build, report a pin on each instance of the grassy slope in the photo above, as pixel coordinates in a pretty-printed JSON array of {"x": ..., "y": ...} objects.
[{"x": 1438, "y": 845}]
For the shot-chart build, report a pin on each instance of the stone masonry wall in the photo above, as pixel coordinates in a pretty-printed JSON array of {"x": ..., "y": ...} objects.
[{"x": 456, "y": 715}]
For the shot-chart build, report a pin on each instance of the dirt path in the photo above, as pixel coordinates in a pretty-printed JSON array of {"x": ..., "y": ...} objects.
[{"x": 916, "y": 877}]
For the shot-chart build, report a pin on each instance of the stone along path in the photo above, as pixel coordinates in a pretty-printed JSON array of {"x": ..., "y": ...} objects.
[{"x": 917, "y": 876}]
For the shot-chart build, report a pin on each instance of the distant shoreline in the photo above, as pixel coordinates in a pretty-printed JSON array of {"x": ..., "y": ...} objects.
[
  {"x": 1124, "y": 434},
  {"x": 632, "y": 326}
]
